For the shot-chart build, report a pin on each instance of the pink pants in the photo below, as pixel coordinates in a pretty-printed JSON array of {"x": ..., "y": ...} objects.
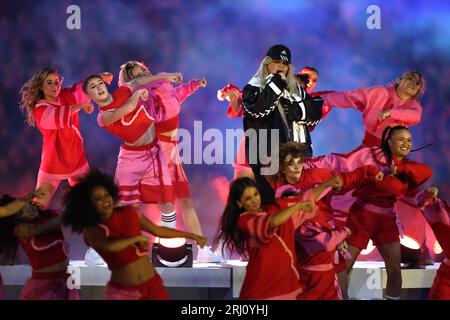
[
  {"x": 55, "y": 179},
  {"x": 152, "y": 289},
  {"x": 142, "y": 175},
  {"x": 177, "y": 175},
  {"x": 48, "y": 286}
]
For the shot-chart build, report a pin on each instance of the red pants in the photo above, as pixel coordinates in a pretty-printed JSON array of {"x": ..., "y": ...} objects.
[
  {"x": 441, "y": 284},
  {"x": 152, "y": 289}
]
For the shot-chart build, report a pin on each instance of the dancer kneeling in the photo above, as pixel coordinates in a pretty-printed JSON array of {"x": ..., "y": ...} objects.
[{"x": 116, "y": 234}]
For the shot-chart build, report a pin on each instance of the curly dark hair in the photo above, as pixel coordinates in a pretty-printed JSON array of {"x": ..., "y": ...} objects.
[
  {"x": 8, "y": 240},
  {"x": 233, "y": 238},
  {"x": 296, "y": 150},
  {"x": 79, "y": 211}
]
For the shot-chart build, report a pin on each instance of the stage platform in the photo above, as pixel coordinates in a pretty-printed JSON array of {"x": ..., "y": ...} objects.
[{"x": 222, "y": 281}]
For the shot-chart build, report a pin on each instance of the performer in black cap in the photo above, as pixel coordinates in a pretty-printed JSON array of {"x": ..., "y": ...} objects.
[{"x": 276, "y": 110}]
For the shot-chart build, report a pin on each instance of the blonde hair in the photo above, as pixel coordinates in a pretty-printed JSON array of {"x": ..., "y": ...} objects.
[
  {"x": 126, "y": 71},
  {"x": 422, "y": 89},
  {"x": 31, "y": 92},
  {"x": 263, "y": 72}
]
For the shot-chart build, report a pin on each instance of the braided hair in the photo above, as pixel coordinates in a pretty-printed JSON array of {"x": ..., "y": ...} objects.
[{"x": 387, "y": 134}]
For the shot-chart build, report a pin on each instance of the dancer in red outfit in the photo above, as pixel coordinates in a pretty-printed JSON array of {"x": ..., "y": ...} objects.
[
  {"x": 116, "y": 234},
  {"x": 318, "y": 238},
  {"x": 266, "y": 236},
  {"x": 40, "y": 235},
  {"x": 437, "y": 213},
  {"x": 55, "y": 112},
  {"x": 372, "y": 216}
]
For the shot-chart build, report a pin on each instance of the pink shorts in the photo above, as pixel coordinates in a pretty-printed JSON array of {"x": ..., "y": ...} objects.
[
  {"x": 48, "y": 286},
  {"x": 55, "y": 179},
  {"x": 365, "y": 225},
  {"x": 142, "y": 175},
  {"x": 152, "y": 289},
  {"x": 177, "y": 174}
]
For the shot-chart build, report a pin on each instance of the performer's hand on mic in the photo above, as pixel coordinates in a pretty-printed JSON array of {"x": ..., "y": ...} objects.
[{"x": 282, "y": 74}]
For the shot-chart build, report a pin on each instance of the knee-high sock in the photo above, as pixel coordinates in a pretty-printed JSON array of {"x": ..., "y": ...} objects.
[{"x": 169, "y": 219}]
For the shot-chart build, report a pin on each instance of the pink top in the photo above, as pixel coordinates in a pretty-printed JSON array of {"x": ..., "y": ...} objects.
[
  {"x": 371, "y": 101},
  {"x": 165, "y": 104}
]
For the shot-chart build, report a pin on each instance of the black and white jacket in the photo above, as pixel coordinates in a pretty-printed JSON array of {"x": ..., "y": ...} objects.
[{"x": 273, "y": 107}]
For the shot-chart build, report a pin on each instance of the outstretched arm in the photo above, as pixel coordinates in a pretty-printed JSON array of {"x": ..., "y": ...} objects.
[
  {"x": 98, "y": 240},
  {"x": 18, "y": 204},
  {"x": 109, "y": 117},
  {"x": 142, "y": 81},
  {"x": 164, "y": 232}
]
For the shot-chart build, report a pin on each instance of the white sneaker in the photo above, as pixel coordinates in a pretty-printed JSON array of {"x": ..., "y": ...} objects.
[
  {"x": 92, "y": 258},
  {"x": 205, "y": 254}
]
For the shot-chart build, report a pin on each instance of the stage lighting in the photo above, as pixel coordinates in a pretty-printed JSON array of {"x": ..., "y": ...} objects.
[
  {"x": 410, "y": 252},
  {"x": 370, "y": 247},
  {"x": 438, "y": 252},
  {"x": 172, "y": 253}
]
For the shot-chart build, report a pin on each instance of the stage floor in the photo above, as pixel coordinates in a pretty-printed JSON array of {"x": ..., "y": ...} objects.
[{"x": 224, "y": 280}]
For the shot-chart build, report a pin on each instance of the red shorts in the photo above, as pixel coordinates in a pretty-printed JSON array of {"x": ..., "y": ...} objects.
[
  {"x": 176, "y": 172},
  {"x": 365, "y": 225},
  {"x": 441, "y": 284},
  {"x": 153, "y": 289},
  {"x": 142, "y": 175},
  {"x": 319, "y": 285}
]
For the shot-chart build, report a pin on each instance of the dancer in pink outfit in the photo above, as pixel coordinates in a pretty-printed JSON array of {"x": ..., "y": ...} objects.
[{"x": 165, "y": 105}]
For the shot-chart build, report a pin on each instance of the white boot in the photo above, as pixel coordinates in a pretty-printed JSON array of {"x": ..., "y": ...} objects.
[
  {"x": 92, "y": 258},
  {"x": 205, "y": 254}
]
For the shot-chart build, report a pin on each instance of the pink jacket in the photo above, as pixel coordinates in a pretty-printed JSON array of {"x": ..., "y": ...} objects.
[{"x": 371, "y": 101}]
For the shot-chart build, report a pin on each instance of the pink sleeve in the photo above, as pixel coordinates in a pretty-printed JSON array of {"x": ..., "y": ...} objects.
[
  {"x": 77, "y": 91},
  {"x": 410, "y": 115},
  {"x": 343, "y": 162},
  {"x": 51, "y": 118},
  {"x": 437, "y": 210},
  {"x": 314, "y": 238},
  {"x": 257, "y": 226},
  {"x": 185, "y": 90},
  {"x": 356, "y": 99}
]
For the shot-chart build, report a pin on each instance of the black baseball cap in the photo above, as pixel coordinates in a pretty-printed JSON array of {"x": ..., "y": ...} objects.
[{"x": 279, "y": 52}]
